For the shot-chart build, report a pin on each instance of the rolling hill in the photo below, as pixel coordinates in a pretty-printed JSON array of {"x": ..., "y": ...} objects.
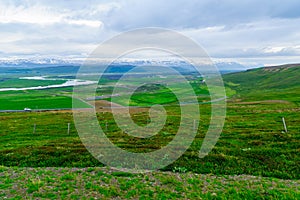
[{"x": 267, "y": 83}]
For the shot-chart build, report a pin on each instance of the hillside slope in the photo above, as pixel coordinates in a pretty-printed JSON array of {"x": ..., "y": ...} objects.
[{"x": 267, "y": 83}]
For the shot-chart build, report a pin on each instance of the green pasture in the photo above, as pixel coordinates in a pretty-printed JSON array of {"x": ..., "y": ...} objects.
[
  {"x": 38, "y": 99},
  {"x": 23, "y": 83}
]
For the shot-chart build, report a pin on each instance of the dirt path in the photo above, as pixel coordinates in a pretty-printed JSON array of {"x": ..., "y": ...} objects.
[{"x": 264, "y": 102}]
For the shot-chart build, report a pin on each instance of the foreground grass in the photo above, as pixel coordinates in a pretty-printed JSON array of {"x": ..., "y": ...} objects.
[
  {"x": 105, "y": 183},
  {"x": 252, "y": 141}
]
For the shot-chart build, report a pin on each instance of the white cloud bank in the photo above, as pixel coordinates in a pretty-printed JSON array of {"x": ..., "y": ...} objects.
[{"x": 245, "y": 31}]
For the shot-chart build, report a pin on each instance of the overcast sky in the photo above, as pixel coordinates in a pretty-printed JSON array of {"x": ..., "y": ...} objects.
[{"x": 248, "y": 31}]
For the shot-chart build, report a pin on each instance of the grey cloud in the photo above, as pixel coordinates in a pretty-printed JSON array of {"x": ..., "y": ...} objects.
[
  {"x": 197, "y": 14},
  {"x": 225, "y": 28}
]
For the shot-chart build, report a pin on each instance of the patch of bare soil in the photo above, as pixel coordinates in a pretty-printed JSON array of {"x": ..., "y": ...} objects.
[
  {"x": 264, "y": 102},
  {"x": 106, "y": 106}
]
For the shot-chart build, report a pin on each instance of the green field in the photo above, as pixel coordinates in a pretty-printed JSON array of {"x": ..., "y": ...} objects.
[
  {"x": 249, "y": 145},
  {"x": 60, "y": 98},
  {"x": 55, "y": 98},
  {"x": 252, "y": 142},
  {"x": 36, "y": 100},
  {"x": 21, "y": 83},
  {"x": 253, "y": 159},
  {"x": 155, "y": 90}
]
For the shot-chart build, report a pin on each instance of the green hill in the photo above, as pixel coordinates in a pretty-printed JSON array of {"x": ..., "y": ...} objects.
[{"x": 267, "y": 83}]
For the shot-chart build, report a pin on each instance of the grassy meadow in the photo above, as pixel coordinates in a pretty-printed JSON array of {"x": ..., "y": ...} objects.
[
  {"x": 21, "y": 83},
  {"x": 54, "y": 98},
  {"x": 253, "y": 159},
  {"x": 18, "y": 100}
]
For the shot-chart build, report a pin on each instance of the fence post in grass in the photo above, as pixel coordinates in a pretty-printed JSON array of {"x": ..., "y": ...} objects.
[
  {"x": 284, "y": 125},
  {"x": 194, "y": 127},
  {"x": 68, "y": 128},
  {"x": 34, "y": 127}
]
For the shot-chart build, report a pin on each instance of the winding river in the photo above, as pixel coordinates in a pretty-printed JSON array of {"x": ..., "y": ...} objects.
[{"x": 68, "y": 83}]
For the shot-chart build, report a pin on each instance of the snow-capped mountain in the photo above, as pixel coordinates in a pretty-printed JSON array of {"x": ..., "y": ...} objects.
[{"x": 176, "y": 63}]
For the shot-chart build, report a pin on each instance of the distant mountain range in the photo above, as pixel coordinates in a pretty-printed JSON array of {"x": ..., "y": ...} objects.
[
  {"x": 71, "y": 65},
  {"x": 39, "y": 62}
]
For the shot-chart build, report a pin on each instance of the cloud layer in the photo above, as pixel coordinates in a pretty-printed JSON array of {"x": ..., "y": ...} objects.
[{"x": 247, "y": 31}]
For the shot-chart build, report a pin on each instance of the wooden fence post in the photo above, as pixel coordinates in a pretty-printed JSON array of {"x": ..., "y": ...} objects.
[
  {"x": 34, "y": 127},
  {"x": 68, "y": 128},
  {"x": 284, "y": 125}
]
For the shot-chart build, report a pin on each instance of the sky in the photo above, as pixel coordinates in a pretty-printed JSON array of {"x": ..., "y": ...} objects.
[{"x": 250, "y": 32}]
